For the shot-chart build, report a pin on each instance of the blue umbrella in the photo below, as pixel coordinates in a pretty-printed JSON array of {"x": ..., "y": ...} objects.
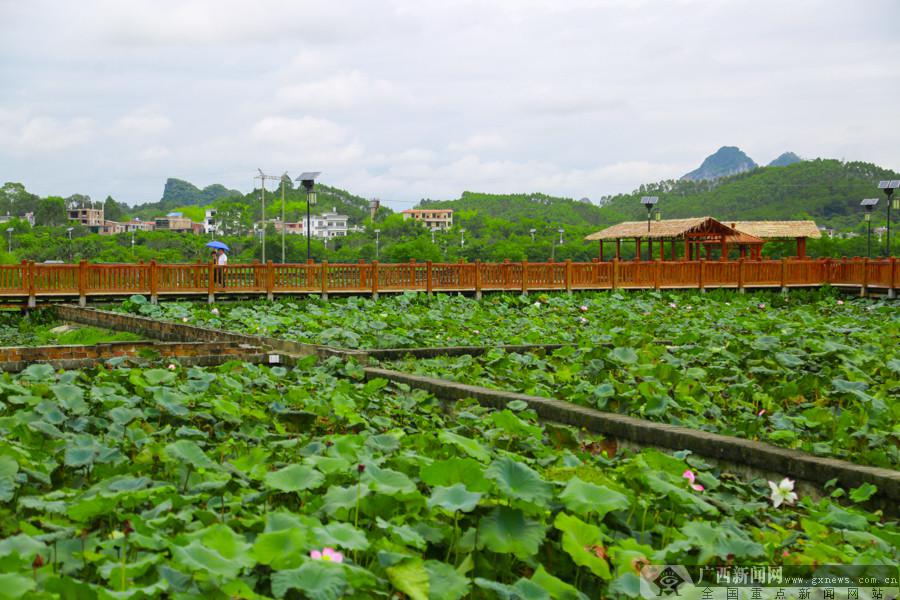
[{"x": 217, "y": 246}]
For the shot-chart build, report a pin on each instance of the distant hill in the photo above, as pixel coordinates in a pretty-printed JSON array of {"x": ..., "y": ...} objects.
[
  {"x": 178, "y": 192},
  {"x": 826, "y": 190},
  {"x": 787, "y": 158},
  {"x": 727, "y": 160},
  {"x": 524, "y": 207}
]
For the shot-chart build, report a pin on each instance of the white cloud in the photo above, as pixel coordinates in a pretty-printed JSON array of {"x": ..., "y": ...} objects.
[
  {"x": 43, "y": 133},
  {"x": 143, "y": 124},
  {"x": 341, "y": 91},
  {"x": 478, "y": 141}
]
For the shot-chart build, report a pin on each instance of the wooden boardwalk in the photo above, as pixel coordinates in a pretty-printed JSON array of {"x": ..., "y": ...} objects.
[{"x": 32, "y": 282}]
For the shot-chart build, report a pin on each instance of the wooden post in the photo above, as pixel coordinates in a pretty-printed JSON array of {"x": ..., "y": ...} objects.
[
  {"x": 506, "y": 270},
  {"x": 569, "y": 276},
  {"x": 637, "y": 249},
  {"x": 657, "y": 266},
  {"x": 827, "y": 279},
  {"x": 374, "y": 280},
  {"x": 601, "y": 250},
  {"x": 362, "y": 273},
  {"x": 724, "y": 256},
  {"x": 784, "y": 287},
  {"x": 32, "y": 297},
  {"x": 864, "y": 288},
  {"x": 801, "y": 248},
  {"x": 412, "y": 274},
  {"x": 428, "y": 278},
  {"x": 82, "y": 283},
  {"x": 702, "y": 275},
  {"x": 687, "y": 249},
  {"x": 270, "y": 281},
  {"x": 662, "y": 249},
  {"x": 741, "y": 274},
  {"x": 154, "y": 283},
  {"x": 615, "y": 273},
  {"x": 211, "y": 284},
  {"x": 324, "y": 271},
  {"x": 649, "y": 248},
  {"x": 673, "y": 251},
  {"x": 478, "y": 280},
  {"x": 525, "y": 277},
  {"x": 618, "y": 249},
  {"x": 893, "y": 285}
]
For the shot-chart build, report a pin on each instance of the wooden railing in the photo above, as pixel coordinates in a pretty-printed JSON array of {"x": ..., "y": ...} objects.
[{"x": 32, "y": 281}]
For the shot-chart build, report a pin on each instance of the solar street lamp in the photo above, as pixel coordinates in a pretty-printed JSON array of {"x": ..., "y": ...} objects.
[
  {"x": 308, "y": 179},
  {"x": 462, "y": 238},
  {"x": 285, "y": 180},
  {"x": 888, "y": 187},
  {"x": 9, "y": 232},
  {"x": 532, "y": 231},
  {"x": 649, "y": 202},
  {"x": 377, "y": 242},
  {"x": 561, "y": 231},
  {"x": 869, "y": 204}
]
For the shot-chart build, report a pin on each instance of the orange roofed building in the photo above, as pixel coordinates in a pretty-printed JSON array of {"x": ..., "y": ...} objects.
[{"x": 433, "y": 218}]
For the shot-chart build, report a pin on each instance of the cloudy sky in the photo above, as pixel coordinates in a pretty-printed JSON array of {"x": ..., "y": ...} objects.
[{"x": 407, "y": 99}]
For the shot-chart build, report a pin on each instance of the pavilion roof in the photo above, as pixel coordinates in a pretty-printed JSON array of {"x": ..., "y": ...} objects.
[
  {"x": 664, "y": 229},
  {"x": 778, "y": 229}
]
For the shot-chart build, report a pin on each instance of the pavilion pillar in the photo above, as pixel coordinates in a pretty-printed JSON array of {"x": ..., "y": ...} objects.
[
  {"x": 618, "y": 249},
  {"x": 724, "y": 248},
  {"x": 637, "y": 249},
  {"x": 801, "y": 248},
  {"x": 673, "y": 250},
  {"x": 601, "y": 250},
  {"x": 743, "y": 252},
  {"x": 649, "y": 249},
  {"x": 662, "y": 249},
  {"x": 706, "y": 249},
  {"x": 687, "y": 249}
]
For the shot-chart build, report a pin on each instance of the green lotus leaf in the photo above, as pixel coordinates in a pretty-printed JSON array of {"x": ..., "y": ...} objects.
[
  {"x": 342, "y": 535},
  {"x": 387, "y": 481},
  {"x": 71, "y": 398},
  {"x": 445, "y": 582},
  {"x": 585, "y": 498},
  {"x": 410, "y": 577},
  {"x": 582, "y": 541},
  {"x": 317, "y": 579},
  {"x": 159, "y": 376},
  {"x": 467, "y": 445},
  {"x": 518, "y": 480},
  {"x": 558, "y": 589},
  {"x": 624, "y": 355},
  {"x": 294, "y": 478},
  {"x": 339, "y": 498},
  {"x": 198, "y": 558},
  {"x": 508, "y": 530},
  {"x": 283, "y": 549},
  {"x": 186, "y": 451},
  {"x": 454, "y": 498},
  {"x": 15, "y": 586},
  {"x": 456, "y": 470}
]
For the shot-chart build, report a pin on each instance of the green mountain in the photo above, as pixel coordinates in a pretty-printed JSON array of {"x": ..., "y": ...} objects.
[
  {"x": 786, "y": 158},
  {"x": 178, "y": 192},
  {"x": 826, "y": 190},
  {"x": 524, "y": 207},
  {"x": 727, "y": 160}
]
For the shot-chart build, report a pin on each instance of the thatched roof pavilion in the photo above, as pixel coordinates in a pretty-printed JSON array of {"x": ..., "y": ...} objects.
[
  {"x": 694, "y": 232},
  {"x": 781, "y": 230}
]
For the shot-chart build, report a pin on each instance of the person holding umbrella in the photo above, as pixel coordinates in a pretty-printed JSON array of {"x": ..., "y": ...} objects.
[{"x": 221, "y": 260}]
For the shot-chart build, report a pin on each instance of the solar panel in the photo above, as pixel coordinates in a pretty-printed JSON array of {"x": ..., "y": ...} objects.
[
  {"x": 894, "y": 184},
  {"x": 883, "y": 185},
  {"x": 867, "y": 202},
  {"x": 648, "y": 200},
  {"x": 308, "y": 176}
]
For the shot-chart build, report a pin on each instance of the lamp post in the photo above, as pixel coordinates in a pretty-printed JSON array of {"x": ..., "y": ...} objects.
[
  {"x": 649, "y": 202},
  {"x": 285, "y": 179},
  {"x": 432, "y": 236},
  {"x": 889, "y": 187},
  {"x": 377, "y": 242},
  {"x": 462, "y": 238},
  {"x": 69, "y": 231},
  {"x": 532, "y": 231},
  {"x": 9, "y": 232},
  {"x": 132, "y": 243},
  {"x": 308, "y": 179},
  {"x": 869, "y": 204}
]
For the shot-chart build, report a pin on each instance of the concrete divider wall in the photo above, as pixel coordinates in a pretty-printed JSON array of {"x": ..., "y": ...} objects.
[{"x": 764, "y": 457}]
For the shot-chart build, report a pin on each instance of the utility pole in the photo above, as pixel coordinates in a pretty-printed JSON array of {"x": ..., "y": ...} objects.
[{"x": 262, "y": 183}]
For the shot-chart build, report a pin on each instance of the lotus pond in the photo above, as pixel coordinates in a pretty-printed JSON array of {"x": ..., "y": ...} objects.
[{"x": 245, "y": 481}]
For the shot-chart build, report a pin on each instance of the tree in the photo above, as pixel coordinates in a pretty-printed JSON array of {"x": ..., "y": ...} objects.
[
  {"x": 51, "y": 212},
  {"x": 112, "y": 210}
]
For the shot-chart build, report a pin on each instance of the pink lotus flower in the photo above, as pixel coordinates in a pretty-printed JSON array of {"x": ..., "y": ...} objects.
[
  {"x": 689, "y": 475},
  {"x": 583, "y": 320},
  {"x": 215, "y": 311},
  {"x": 761, "y": 413},
  {"x": 840, "y": 302},
  {"x": 583, "y": 308},
  {"x": 785, "y": 553},
  {"x": 172, "y": 367},
  {"x": 761, "y": 305},
  {"x": 475, "y": 331},
  {"x": 327, "y": 554},
  {"x": 672, "y": 305}
]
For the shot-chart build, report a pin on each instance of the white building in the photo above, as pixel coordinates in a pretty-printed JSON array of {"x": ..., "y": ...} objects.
[
  {"x": 327, "y": 225},
  {"x": 210, "y": 224}
]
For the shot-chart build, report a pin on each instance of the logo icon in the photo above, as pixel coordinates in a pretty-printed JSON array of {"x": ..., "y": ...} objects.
[{"x": 663, "y": 581}]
